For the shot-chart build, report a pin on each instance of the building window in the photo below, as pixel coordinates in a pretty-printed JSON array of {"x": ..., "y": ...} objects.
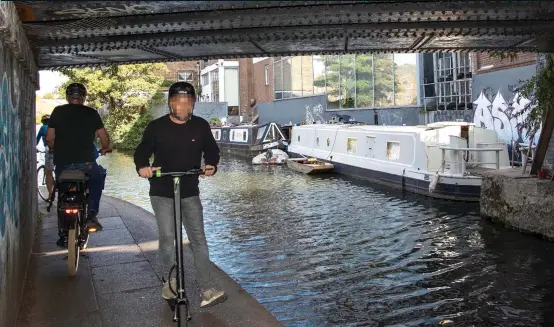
[
  {"x": 448, "y": 87},
  {"x": 214, "y": 76},
  {"x": 205, "y": 79},
  {"x": 266, "y": 72},
  {"x": 185, "y": 76}
]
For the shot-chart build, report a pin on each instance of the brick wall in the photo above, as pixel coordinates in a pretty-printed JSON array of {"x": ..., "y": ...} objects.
[
  {"x": 173, "y": 68},
  {"x": 480, "y": 60},
  {"x": 263, "y": 93},
  {"x": 246, "y": 82}
]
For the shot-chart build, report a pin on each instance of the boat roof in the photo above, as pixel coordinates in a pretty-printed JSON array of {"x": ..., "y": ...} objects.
[{"x": 395, "y": 128}]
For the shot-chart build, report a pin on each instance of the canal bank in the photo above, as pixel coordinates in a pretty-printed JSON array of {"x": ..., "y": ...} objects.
[
  {"x": 522, "y": 202},
  {"x": 119, "y": 279}
]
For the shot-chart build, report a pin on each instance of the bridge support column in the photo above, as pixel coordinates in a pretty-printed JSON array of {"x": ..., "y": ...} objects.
[{"x": 18, "y": 196}]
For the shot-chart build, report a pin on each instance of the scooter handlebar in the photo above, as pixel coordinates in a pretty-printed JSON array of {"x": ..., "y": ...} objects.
[{"x": 158, "y": 173}]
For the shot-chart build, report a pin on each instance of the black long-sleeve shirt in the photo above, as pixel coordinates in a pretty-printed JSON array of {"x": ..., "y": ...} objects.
[{"x": 176, "y": 147}]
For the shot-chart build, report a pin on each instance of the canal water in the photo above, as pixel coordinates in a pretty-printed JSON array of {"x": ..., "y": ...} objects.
[{"x": 331, "y": 251}]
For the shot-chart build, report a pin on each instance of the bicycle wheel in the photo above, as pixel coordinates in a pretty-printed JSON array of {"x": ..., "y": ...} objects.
[
  {"x": 41, "y": 184},
  {"x": 73, "y": 249}
]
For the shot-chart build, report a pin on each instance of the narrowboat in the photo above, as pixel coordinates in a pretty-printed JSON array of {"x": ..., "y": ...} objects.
[
  {"x": 249, "y": 140},
  {"x": 442, "y": 160}
]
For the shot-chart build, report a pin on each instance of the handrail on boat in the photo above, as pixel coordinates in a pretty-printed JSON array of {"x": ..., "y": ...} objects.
[{"x": 456, "y": 150}]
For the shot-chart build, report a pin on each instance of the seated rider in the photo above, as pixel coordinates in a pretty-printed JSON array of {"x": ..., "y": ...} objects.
[
  {"x": 71, "y": 132},
  {"x": 48, "y": 156}
]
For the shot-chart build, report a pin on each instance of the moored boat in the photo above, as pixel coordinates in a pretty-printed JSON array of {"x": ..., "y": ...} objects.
[
  {"x": 309, "y": 165},
  {"x": 249, "y": 140},
  {"x": 442, "y": 160}
]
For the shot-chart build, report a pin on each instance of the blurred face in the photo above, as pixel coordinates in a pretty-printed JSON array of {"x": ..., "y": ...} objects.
[{"x": 182, "y": 106}]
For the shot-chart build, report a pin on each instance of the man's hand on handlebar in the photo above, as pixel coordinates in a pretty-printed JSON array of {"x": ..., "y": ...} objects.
[{"x": 148, "y": 172}]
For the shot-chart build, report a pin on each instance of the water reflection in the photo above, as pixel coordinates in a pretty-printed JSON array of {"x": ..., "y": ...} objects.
[{"x": 328, "y": 251}]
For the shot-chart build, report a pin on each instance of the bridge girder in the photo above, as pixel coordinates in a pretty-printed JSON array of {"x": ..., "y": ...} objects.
[{"x": 88, "y": 33}]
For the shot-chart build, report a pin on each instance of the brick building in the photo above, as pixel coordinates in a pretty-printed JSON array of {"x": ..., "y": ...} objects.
[
  {"x": 187, "y": 71},
  {"x": 484, "y": 63}
]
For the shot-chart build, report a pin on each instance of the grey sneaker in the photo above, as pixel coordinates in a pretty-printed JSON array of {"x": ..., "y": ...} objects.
[
  {"x": 212, "y": 297},
  {"x": 166, "y": 291}
]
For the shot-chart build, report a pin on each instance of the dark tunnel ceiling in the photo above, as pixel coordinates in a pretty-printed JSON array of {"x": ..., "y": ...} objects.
[{"x": 85, "y": 33}]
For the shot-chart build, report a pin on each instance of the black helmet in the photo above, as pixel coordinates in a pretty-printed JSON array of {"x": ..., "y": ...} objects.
[
  {"x": 45, "y": 119},
  {"x": 182, "y": 88},
  {"x": 75, "y": 90}
]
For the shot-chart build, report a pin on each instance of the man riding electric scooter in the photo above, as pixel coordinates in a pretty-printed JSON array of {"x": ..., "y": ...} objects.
[{"x": 177, "y": 141}]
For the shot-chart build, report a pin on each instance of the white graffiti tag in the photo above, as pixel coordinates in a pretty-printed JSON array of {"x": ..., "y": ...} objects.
[{"x": 503, "y": 117}]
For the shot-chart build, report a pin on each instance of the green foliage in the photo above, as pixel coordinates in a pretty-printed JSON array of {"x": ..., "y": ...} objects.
[
  {"x": 131, "y": 138},
  {"x": 355, "y": 79},
  {"x": 215, "y": 121},
  {"x": 126, "y": 90},
  {"x": 49, "y": 96},
  {"x": 167, "y": 83},
  {"x": 538, "y": 90}
]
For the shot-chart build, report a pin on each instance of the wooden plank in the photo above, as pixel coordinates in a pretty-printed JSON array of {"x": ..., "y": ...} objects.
[{"x": 544, "y": 141}]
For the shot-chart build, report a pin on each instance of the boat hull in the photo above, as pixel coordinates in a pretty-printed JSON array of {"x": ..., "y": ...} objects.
[
  {"x": 309, "y": 169},
  {"x": 468, "y": 193}
]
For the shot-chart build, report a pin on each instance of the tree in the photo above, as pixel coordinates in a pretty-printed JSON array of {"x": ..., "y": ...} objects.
[
  {"x": 49, "y": 96},
  {"x": 125, "y": 90},
  {"x": 537, "y": 89},
  {"x": 350, "y": 76}
]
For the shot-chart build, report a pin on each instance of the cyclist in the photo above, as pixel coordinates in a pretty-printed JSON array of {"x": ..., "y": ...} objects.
[
  {"x": 48, "y": 157},
  {"x": 70, "y": 135},
  {"x": 177, "y": 141}
]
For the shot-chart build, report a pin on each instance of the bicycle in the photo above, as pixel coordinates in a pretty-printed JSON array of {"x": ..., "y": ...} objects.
[
  {"x": 181, "y": 299},
  {"x": 41, "y": 181}
]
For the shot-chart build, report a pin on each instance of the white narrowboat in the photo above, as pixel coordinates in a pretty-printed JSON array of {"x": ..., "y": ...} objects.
[{"x": 442, "y": 160}]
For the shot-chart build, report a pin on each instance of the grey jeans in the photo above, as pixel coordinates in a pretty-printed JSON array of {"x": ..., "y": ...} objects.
[{"x": 193, "y": 220}]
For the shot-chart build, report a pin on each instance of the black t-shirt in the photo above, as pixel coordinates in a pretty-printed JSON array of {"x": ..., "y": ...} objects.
[
  {"x": 75, "y": 130},
  {"x": 176, "y": 147}
]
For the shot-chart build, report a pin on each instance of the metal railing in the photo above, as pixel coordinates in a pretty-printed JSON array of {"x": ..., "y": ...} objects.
[{"x": 463, "y": 162}]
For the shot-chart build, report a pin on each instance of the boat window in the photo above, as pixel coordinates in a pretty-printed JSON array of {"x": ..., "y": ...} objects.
[
  {"x": 393, "y": 150},
  {"x": 351, "y": 145},
  {"x": 317, "y": 141},
  {"x": 244, "y": 136},
  {"x": 232, "y": 135},
  {"x": 224, "y": 135},
  {"x": 328, "y": 141},
  {"x": 298, "y": 138}
]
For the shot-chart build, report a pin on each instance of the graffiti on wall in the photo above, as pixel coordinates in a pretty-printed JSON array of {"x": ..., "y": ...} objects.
[
  {"x": 10, "y": 158},
  {"x": 503, "y": 116},
  {"x": 313, "y": 115}
]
